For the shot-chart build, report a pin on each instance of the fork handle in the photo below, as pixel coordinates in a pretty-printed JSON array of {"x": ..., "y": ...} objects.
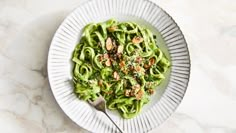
[{"x": 120, "y": 130}]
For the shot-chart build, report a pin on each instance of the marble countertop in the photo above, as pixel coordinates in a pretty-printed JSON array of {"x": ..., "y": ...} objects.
[{"x": 26, "y": 101}]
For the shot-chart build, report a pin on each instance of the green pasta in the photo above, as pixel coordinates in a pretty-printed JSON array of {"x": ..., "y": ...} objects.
[{"x": 120, "y": 61}]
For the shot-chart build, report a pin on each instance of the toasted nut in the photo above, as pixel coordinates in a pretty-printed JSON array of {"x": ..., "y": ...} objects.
[
  {"x": 148, "y": 84},
  {"x": 151, "y": 91},
  {"x": 132, "y": 93},
  {"x": 139, "y": 95},
  {"x": 106, "y": 56},
  {"x": 108, "y": 62},
  {"x": 113, "y": 61},
  {"x": 114, "y": 43},
  {"x": 122, "y": 64},
  {"x": 115, "y": 57},
  {"x": 100, "y": 82},
  {"x": 120, "y": 49},
  {"x": 100, "y": 58},
  {"x": 139, "y": 59},
  {"x": 146, "y": 66},
  {"x": 109, "y": 45},
  {"x": 112, "y": 28},
  {"x": 125, "y": 71},
  {"x": 127, "y": 92},
  {"x": 114, "y": 49},
  {"x": 136, "y": 87},
  {"x": 137, "y": 68},
  {"x": 137, "y": 40},
  {"x": 131, "y": 68},
  {"x": 151, "y": 61},
  {"x": 116, "y": 75},
  {"x": 119, "y": 55}
]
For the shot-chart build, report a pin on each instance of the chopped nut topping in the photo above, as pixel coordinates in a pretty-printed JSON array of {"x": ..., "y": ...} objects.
[
  {"x": 112, "y": 59},
  {"x": 122, "y": 64},
  {"x": 148, "y": 84},
  {"x": 125, "y": 71},
  {"x": 119, "y": 55},
  {"x": 146, "y": 66},
  {"x": 100, "y": 82},
  {"x": 116, "y": 75},
  {"x": 112, "y": 28},
  {"x": 137, "y": 68},
  {"x": 114, "y": 46},
  {"x": 106, "y": 56},
  {"x": 139, "y": 59},
  {"x": 139, "y": 95},
  {"x": 114, "y": 43},
  {"x": 151, "y": 61},
  {"x": 137, "y": 40},
  {"x": 100, "y": 58},
  {"x": 109, "y": 45},
  {"x": 136, "y": 87},
  {"x": 108, "y": 62},
  {"x": 132, "y": 93},
  {"x": 127, "y": 92},
  {"x": 131, "y": 68},
  {"x": 120, "y": 49},
  {"x": 151, "y": 91}
]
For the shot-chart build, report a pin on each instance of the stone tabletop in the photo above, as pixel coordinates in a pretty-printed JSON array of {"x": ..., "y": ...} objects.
[{"x": 26, "y": 101}]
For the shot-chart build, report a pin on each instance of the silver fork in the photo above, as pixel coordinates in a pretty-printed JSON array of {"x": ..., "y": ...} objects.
[{"x": 100, "y": 105}]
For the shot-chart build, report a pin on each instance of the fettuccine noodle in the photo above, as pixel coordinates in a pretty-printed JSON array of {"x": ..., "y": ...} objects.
[{"x": 120, "y": 61}]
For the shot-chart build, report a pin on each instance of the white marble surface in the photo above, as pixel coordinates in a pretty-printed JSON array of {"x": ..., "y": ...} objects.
[{"x": 26, "y": 101}]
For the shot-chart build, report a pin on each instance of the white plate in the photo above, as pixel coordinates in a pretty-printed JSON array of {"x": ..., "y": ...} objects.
[{"x": 170, "y": 39}]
